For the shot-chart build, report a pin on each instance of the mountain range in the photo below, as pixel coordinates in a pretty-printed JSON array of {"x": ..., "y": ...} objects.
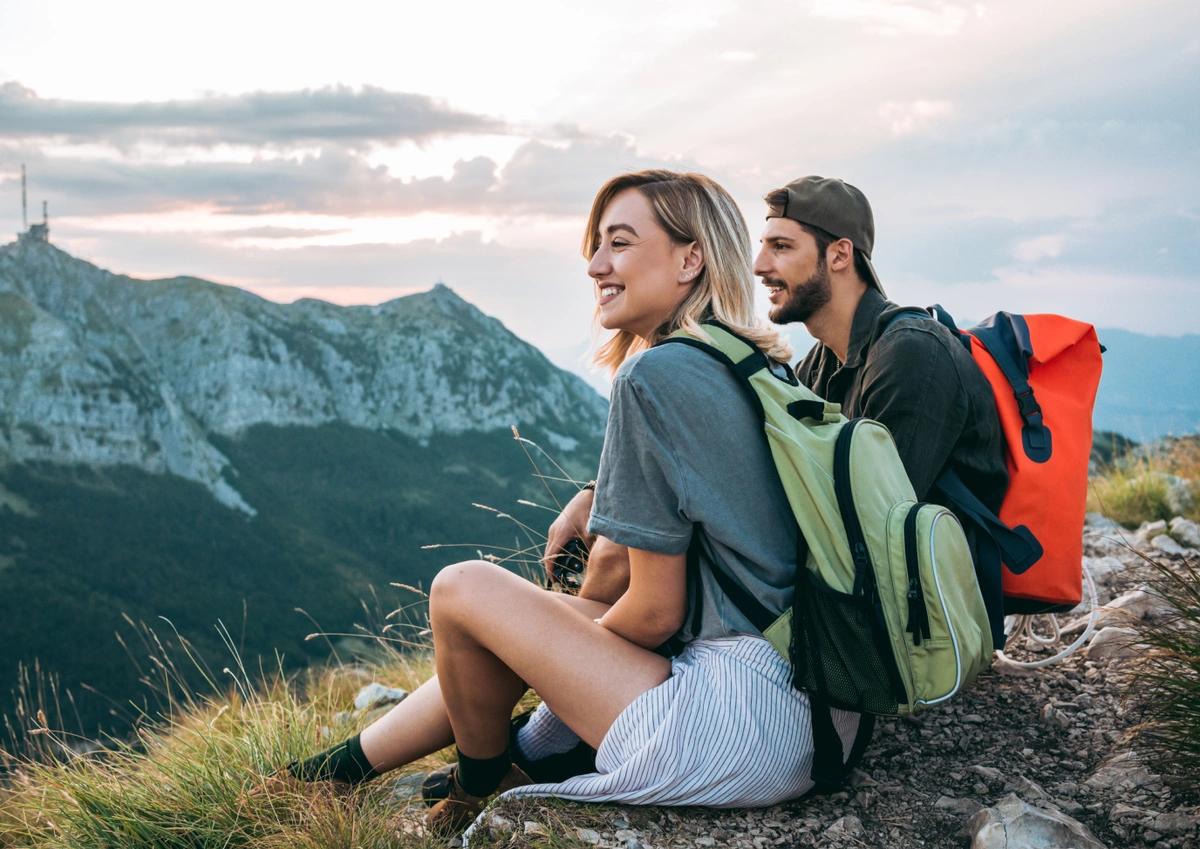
[{"x": 185, "y": 451}]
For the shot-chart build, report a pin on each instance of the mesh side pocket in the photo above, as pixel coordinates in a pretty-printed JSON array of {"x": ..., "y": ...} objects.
[{"x": 835, "y": 650}]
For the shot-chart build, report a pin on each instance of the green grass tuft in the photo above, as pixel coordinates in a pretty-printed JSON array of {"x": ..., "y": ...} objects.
[{"x": 1135, "y": 487}]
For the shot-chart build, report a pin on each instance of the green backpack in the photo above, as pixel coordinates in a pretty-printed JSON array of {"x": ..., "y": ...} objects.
[{"x": 887, "y": 617}]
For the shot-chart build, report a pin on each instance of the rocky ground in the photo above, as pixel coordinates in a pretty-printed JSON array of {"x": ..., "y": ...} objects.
[{"x": 1033, "y": 759}]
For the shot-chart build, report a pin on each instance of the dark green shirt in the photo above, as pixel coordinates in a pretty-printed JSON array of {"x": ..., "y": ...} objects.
[{"x": 914, "y": 376}]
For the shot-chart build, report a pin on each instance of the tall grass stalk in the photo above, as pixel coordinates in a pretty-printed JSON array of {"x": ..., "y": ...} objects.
[{"x": 1168, "y": 696}]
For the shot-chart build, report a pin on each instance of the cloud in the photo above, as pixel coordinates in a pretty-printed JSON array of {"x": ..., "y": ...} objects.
[
  {"x": 269, "y": 232},
  {"x": 1039, "y": 248},
  {"x": 540, "y": 179},
  {"x": 915, "y": 17},
  {"x": 340, "y": 114},
  {"x": 906, "y": 117}
]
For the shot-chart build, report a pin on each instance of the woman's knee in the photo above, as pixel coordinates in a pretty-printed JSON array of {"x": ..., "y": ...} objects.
[{"x": 456, "y": 586}]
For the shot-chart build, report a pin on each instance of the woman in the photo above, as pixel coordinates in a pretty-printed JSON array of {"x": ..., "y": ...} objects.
[{"x": 684, "y": 465}]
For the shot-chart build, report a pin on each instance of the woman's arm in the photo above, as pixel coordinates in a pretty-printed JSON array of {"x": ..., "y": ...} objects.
[{"x": 652, "y": 609}]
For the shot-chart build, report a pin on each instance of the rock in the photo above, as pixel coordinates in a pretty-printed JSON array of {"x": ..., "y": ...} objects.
[
  {"x": 987, "y": 773},
  {"x": 1131, "y": 607},
  {"x": 408, "y": 787},
  {"x": 847, "y": 826},
  {"x": 958, "y": 807},
  {"x": 588, "y": 836},
  {"x": 1185, "y": 531},
  {"x": 376, "y": 695},
  {"x": 1028, "y": 789},
  {"x": 1015, "y": 824},
  {"x": 497, "y": 824},
  {"x": 1175, "y": 822},
  {"x": 343, "y": 716},
  {"x": 535, "y": 829},
  {"x": 858, "y": 778},
  {"x": 1121, "y": 774},
  {"x": 628, "y": 839},
  {"x": 1099, "y": 522},
  {"x": 1004, "y": 666},
  {"x": 1167, "y": 545},
  {"x": 1181, "y": 496},
  {"x": 705, "y": 841},
  {"x": 1112, "y": 642},
  {"x": 1104, "y": 569},
  {"x": 1149, "y": 530},
  {"x": 1139, "y": 604}
]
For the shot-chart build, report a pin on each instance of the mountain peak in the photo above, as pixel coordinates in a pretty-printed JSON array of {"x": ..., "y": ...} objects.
[{"x": 105, "y": 369}]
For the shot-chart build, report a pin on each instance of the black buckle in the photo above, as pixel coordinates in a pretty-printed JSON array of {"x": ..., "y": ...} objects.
[{"x": 1031, "y": 411}]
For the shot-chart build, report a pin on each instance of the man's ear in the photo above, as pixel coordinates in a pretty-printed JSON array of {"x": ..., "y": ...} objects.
[
  {"x": 693, "y": 263},
  {"x": 840, "y": 255}
]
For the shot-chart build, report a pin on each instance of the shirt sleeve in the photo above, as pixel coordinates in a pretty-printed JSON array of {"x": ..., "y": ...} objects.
[
  {"x": 640, "y": 498},
  {"x": 910, "y": 384}
]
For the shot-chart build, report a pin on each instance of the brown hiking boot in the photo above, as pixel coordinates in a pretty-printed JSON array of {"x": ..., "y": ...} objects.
[{"x": 454, "y": 813}]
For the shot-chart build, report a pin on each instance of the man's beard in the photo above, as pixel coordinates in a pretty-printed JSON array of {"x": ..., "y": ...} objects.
[{"x": 810, "y": 296}]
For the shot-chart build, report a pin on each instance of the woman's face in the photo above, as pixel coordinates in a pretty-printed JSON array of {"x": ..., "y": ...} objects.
[{"x": 641, "y": 276}]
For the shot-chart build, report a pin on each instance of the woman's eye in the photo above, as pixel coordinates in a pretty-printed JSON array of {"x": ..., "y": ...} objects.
[{"x": 618, "y": 243}]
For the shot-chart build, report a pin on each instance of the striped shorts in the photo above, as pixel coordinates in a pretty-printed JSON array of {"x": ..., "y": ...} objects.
[{"x": 727, "y": 729}]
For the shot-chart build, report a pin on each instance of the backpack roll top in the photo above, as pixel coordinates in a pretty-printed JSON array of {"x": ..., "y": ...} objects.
[
  {"x": 1044, "y": 371},
  {"x": 887, "y": 615}
]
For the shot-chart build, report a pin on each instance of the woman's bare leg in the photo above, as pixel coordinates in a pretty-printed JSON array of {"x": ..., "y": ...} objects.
[
  {"x": 420, "y": 726},
  {"x": 416, "y": 727},
  {"x": 495, "y": 634}
]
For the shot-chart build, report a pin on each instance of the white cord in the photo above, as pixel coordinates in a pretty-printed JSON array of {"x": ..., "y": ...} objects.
[{"x": 1023, "y": 628}]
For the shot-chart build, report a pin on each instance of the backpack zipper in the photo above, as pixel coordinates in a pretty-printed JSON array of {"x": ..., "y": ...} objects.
[
  {"x": 918, "y": 613},
  {"x": 864, "y": 576}
]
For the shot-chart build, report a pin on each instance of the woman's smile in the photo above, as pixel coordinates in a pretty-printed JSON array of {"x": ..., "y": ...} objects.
[{"x": 608, "y": 292}]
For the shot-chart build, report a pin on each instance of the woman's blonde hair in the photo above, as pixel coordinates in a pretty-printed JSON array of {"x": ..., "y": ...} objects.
[{"x": 692, "y": 208}]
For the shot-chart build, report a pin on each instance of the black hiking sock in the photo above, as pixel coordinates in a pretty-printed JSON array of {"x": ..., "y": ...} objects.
[
  {"x": 343, "y": 762},
  {"x": 481, "y": 776}
]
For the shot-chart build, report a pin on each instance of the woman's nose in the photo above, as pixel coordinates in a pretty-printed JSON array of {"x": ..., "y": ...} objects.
[{"x": 599, "y": 264}]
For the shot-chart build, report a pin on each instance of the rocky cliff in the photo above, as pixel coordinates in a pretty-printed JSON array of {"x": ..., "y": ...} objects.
[{"x": 104, "y": 369}]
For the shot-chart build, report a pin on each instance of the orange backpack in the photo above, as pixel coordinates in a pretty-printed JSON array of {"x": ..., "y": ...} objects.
[{"x": 1044, "y": 371}]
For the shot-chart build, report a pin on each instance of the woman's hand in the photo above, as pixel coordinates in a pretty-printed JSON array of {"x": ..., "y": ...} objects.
[{"x": 571, "y": 523}]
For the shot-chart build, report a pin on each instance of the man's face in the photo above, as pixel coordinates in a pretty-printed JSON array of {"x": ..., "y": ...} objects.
[{"x": 793, "y": 270}]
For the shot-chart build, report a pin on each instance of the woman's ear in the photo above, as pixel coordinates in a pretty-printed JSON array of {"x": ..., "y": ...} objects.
[{"x": 693, "y": 263}]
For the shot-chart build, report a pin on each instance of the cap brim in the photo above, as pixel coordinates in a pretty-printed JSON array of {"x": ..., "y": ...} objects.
[{"x": 873, "y": 280}]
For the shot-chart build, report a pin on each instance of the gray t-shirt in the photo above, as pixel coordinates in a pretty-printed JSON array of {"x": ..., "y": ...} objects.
[{"x": 684, "y": 448}]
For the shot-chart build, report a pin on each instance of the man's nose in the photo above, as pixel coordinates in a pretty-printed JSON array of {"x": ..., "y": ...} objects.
[{"x": 762, "y": 267}]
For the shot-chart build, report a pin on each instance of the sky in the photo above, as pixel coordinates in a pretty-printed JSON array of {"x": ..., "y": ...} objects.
[{"x": 1030, "y": 156}]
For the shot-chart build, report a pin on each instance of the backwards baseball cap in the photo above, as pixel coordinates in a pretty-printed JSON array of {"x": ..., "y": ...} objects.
[{"x": 834, "y": 206}]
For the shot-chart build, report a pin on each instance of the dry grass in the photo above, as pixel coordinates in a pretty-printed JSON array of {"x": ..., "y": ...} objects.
[
  {"x": 1168, "y": 695},
  {"x": 182, "y": 781},
  {"x": 1135, "y": 488}
]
